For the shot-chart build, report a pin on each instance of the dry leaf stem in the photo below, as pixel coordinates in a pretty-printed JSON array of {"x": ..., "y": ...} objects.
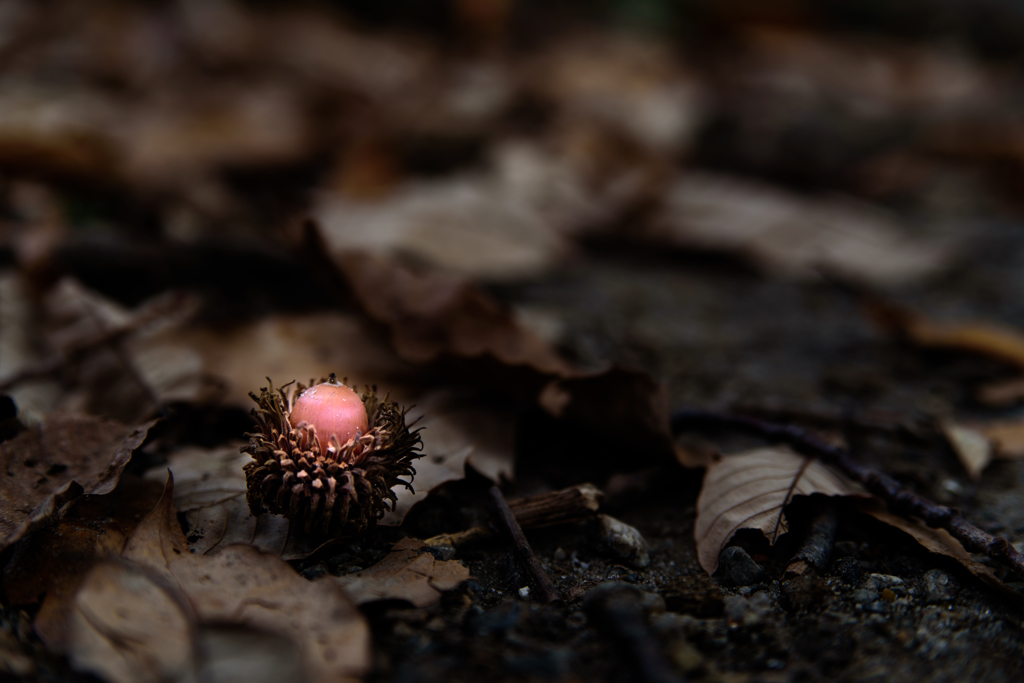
[
  {"x": 523, "y": 550},
  {"x": 899, "y": 500}
]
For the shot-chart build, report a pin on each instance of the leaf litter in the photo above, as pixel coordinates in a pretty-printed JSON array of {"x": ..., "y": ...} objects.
[{"x": 486, "y": 173}]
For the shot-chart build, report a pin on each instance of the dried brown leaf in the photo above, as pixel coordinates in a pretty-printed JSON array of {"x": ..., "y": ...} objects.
[
  {"x": 209, "y": 492},
  {"x": 470, "y": 226},
  {"x": 56, "y": 462},
  {"x": 289, "y": 347},
  {"x": 1000, "y": 342},
  {"x": 750, "y": 491},
  {"x": 240, "y": 585},
  {"x": 457, "y": 430},
  {"x": 937, "y": 541},
  {"x": 977, "y": 444},
  {"x": 790, "y": 235},
  {"x": 409, "y": 572},
  {"x": 433, "y": 315},
  {"x": 125, "y": 627},
  {"x": 1006, "y": 437},
  {"x": 970, "y": 445}
]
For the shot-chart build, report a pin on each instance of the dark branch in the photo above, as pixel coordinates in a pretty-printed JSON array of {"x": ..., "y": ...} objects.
[
  {"x": 900, "y": 500},
  {"x": 523, "y": 550}
]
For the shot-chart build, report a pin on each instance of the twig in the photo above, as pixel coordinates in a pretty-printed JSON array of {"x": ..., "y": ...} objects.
[
  {"x": 573, "y": 504},
  {"x": 617, "y": 614},
  {"x": 899, "y": 500},
  {"x": 523, "y": 549},
  {"x": 816, "y": 550}
]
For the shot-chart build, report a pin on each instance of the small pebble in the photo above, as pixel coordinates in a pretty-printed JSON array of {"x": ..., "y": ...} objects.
[
  {"x": 938, "y": 586},
  {"x": 524, "y": 592},
  {"x": 738, "y": 567},
  {"x": 748, "y": 611}
]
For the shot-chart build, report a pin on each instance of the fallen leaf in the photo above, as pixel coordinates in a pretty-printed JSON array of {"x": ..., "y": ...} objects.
[
  {"x": 240, "y": 585},
  {"x": 53, "y": 463},
  {"x": 792, "y": 236},
  {"x": 409, "y": 572},
  {"x": 289, "y": 347},
  {"x": 126, "y": 363},
  {"x": 1006, "y": 437},
  {"x": 19, "y": 350},
  {"x": 457, "y": 430},
  {"x": 54, "y": 560},
  {"x": 1002, "y": 393},
  {"x": 1000, "y": 342},
  {"x": 125, "y": 627},
  {"x": 977, "y": 444},
  {"x": 971, "y": 446},
  {"x": 209, "y": 492},
  {"x": 750, "y": 490},
  {"x": 632, "y": 86},
  {"x": 433, "y": 315},
  {"x": 937, "y": 541},
  {"x": 467, "y": 226}
]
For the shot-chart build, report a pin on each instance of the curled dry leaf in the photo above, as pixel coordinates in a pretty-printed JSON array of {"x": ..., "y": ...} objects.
[
  {"x": 750, "y": 490},
  {"x": 242, "y": 586},
  {"x": 433, "y": 315},
  {"x": 793, "y": 236},
  {"x": 57, "y": 461},
  {"x": 970, "y": 445},
  {"x": 209, "y": 492},
  {"x": 940, "y": 542},
  {"x": 126, "y": 627},
  {"x": 409, "y": 572}
]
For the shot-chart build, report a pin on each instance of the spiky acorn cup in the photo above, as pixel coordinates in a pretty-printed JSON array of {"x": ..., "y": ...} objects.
[{"x": 329, "y": 488}]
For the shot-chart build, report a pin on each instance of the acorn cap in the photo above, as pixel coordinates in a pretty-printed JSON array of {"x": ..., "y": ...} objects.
[{"x": 329, "y": 489}]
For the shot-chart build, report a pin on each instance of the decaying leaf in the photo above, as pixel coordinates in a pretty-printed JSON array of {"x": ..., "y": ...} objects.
[
  {"x": 18, "y": 351},
  {"x": 470, "y": 226},
  {"x": 239, "y": 585},
  {"x": 52, "y": 562},
  {"x": 970, "y": 445},
  {"x": 126, "y": 627},
  {"x": 433, "y": 315},
  {"x": 457, "y": 430},
  {"x": 288, "y": 347},
  {"x": 409, "y": 572},
  {"x": 1006, "y": 437},
  {"x": 209, "y": 491},
  {"x": 937, "y": 541},
  {"x": 57, "y": 461},
  {"x": 750, "y": 491},
  {"x": 793, "y": 236},
  {"x": 1000, "y": 342},
  {"x": 977, "y": 444}
]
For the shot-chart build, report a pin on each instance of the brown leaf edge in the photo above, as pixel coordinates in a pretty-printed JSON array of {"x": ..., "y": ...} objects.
[{"x": 56, "y": 503}]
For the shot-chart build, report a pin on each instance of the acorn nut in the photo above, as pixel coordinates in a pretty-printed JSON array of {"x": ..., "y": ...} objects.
[{"x": 326, "y": 457}]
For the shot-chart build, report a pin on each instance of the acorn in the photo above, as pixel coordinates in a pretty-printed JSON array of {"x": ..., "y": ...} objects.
[{"x": 327, "y": 458}]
